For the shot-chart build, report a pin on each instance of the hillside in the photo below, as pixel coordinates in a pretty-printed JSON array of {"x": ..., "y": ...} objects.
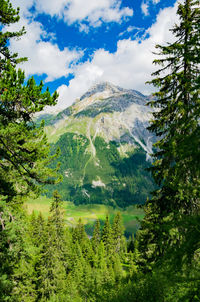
[{"x": 105, "y": 147}]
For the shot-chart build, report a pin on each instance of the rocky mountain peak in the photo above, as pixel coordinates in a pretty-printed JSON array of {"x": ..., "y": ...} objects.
[
  {"x": 102, "y": 87},
  {"x": 101, "y": 136}
]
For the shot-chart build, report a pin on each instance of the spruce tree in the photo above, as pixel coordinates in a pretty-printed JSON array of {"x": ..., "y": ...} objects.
[
  {"x": 50, "y": 266},
  {"x": 78, "y": 234},
  {"x": 106, "y": 236},
  {"x": 117, "y": 233},
  {"x": 96, "y": 236},
  {"x": 176, "y": 168}
]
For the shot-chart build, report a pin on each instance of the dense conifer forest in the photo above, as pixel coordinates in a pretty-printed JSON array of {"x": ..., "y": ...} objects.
[{"x": 44, "y": 260}]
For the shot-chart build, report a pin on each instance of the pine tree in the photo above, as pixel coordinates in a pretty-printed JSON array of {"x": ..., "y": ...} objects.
[
  {"x": 176, "y": 169},
  {"x": 50, "y": 268},
  {"x": 106, "y": 236},
  {"x": 24, "y": 149},
  {"x": 37, "y": 229},
  {"x": 8, "y": 15},
  {"x": 24, "y": 275},
  {"x": 118, "y": 232},
  {"x": 62, "y": 240},
  {"x": 57, "y": 218},
  {"x": 96, "y": 236},
  {"x": 16, "y": 269},
  {"x": 79, "y": 235}
]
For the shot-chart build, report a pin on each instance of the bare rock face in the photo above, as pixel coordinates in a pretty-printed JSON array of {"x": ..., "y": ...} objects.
[
  {"x": 105, "y": 146},
  {"x": 114, "y": 113}
]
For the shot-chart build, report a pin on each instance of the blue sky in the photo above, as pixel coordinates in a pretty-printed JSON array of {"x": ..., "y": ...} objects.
[{"x": 73, "y": 44}]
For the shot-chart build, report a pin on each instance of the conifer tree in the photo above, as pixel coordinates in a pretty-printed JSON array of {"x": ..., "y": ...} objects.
[
  {"x": 79, "y": 235},
  {"x": 37, "y": 228},
  {"x": 24, "y": 149},
  {"x": 57, "y": 215},
  {"x": 176, "y": 169},
  {"x": 50, "y": 269},
  {"x": 8, "y": 15},
  {"x": 117, "y": 232},
  {"x": 96, "y": 236},
  {"x": 106, "y": 235},
  {"x": 16, "y": 271}
]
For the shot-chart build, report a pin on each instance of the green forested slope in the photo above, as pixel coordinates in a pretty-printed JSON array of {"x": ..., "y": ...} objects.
[
  {"x": 104, "y": 177},
  {"x": 41, "y": 259}
]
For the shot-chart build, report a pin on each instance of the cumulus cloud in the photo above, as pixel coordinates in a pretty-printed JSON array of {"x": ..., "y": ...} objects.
[
  {"x": 129, "y": 67},
  {"x": 44, "y": 57},
  {"x": 94, "y": 12}
]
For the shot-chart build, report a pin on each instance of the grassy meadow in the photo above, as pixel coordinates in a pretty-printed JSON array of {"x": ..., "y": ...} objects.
[{"x": 88, "y": 213}]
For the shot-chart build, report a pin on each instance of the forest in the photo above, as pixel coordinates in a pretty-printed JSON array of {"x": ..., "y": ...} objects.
[
  {"x": 113, "y": 170},
  {"x": 43, "y": 259}
]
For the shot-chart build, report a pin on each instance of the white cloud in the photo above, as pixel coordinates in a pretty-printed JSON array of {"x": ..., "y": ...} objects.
[
  {"x": 130, "y": 29},
  {"x": 84, "y": 28},
  {"x": 145, "y": 8},
  {"x": 44, "y": 57},
  {"x": 93, "y": 11},
  {"x": 129, "y": 67},
  {"x": 52, "y": 7},
  {"x": 146, "y": 4},
  {"x": 24, "y": 5}
]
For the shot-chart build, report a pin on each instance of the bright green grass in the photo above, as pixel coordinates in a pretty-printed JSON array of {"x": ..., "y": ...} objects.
[
  {"x": 88, "y": 213},
  {"x": 54, "y": 133}
]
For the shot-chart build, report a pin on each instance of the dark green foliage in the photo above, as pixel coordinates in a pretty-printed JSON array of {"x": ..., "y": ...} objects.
[
  {"x": 118, "y": 232},
  {"x": 96, "y": 236},
  {"x": 73, "y": 158},
  {"x": 125, "y": 181},
  {"x": 43, "y": 260},
  {"x": 62, "y": 266},
  {"x": 107, "y": 235},
  {"x": 176, "y": 168},
  {"x": 169, "y": 239},
  {"x": 14, "y": 256},
  {"x": 49, "y": 262},
  {"x": 23, "y": 147},
  {"x": 8, "y": 15},
  {"x": 135, "y": 181},
  {"x": 24, "y": 161}
]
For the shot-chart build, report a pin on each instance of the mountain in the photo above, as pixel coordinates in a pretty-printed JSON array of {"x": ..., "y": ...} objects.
[{"x": 105, "y": 147}]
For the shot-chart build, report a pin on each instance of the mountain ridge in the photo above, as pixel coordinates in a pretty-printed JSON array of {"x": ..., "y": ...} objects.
[{"x": 101, "y": 134}]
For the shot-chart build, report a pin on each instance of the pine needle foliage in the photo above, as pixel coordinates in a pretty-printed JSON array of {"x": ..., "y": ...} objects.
[{"x": 176, "y": 167}]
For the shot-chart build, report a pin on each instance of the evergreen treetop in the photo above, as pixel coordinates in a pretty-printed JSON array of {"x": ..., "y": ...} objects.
[
  {"x": 8, "y": 15},
  {"x": 176, "y": 168},
  {"x": 24, "y": 151}
]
